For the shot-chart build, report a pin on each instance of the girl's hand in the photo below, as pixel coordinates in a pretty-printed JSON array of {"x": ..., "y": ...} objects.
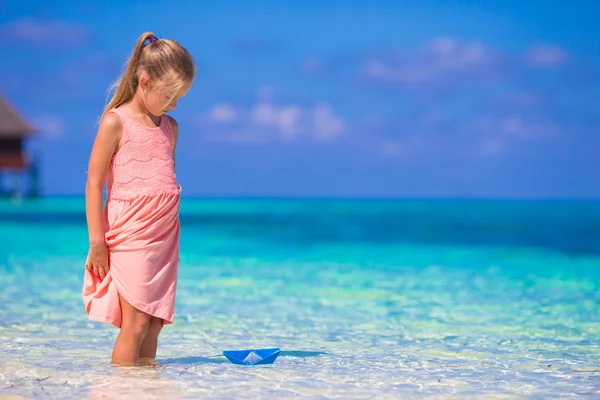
[{"x": 97, "y": 261}]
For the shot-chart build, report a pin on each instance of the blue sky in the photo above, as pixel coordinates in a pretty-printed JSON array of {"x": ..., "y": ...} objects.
[{"x": 344, "y": 99}]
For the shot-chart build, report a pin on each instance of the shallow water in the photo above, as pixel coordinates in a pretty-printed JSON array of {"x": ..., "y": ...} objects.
[{"x": 366, "y": 299}]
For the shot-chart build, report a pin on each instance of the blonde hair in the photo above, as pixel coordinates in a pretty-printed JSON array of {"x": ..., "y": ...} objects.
[{"x": 165, "y": 61}]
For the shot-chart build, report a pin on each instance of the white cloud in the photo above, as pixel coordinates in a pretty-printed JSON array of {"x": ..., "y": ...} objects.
[
  {"x": 448, "y": 53},
  {"x": 460, "y": 100},
  {"x": 518, "y": 127},
  {"x": 266, "y": 120},
  {"x": 472, "y": 138},
  {"x": 222, "y": 113},
  {"x": 285, "y": 119},
  {"x": 42, "y": 32},
  {"x": 50, "y": 126},
  {"x": 450, "y": 61},
  {"x": 436, "y": 59},
  {"x": 327, "y": 125},
  {"x": 546, "y": 56}
]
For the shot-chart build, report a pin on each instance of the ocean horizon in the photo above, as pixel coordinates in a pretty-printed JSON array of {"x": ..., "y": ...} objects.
[{"x": 367, "y": 298}]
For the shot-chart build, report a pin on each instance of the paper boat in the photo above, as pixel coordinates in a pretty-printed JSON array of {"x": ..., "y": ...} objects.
[{"x": 252, "y": 357}]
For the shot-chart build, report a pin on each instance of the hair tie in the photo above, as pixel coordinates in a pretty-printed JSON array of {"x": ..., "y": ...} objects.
[{"x": 153, "y": 39}]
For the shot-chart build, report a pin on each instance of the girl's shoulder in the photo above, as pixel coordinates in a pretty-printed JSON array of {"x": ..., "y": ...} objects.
[
  {"x": 118, "y": 113},
  {"x": 110, "y": 130},
  {"x": 111, "y": 122},
  {"x": 172, "y": 121}
]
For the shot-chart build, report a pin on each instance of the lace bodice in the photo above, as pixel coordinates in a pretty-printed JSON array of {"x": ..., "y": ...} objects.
[{"x": 144, "y": 165}]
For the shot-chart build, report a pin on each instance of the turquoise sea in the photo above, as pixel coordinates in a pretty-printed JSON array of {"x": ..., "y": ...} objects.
[{"x": 367, "y": 299}]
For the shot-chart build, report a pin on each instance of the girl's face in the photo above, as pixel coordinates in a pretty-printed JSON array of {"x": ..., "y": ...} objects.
[{"x": 159, "y": 101}]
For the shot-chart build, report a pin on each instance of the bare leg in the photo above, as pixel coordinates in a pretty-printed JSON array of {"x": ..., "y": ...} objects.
[
  {"x": 150, "y": 342},
  {"x": 134, "y": 326}
]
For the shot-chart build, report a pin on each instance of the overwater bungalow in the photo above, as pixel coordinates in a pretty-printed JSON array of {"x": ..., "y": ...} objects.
[{"x": 19, "y": 171}]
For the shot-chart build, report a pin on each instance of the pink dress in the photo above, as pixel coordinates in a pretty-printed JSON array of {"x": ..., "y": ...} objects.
[{"x": 141, "y": 221}]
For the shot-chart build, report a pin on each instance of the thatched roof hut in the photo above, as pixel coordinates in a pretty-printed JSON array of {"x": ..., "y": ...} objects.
[{"x": 13, "y": 131}]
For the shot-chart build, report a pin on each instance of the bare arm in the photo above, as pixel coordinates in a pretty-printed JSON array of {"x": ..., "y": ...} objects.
[{"x": 107, "y": 140}]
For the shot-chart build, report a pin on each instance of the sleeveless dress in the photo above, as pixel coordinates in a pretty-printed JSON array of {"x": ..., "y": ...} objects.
[{"x": 141, "y": 223}]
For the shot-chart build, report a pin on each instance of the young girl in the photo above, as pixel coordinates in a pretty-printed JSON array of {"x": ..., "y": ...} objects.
[{"x": 131, "y": 269}]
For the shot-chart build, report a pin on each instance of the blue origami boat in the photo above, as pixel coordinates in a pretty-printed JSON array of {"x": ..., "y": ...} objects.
[{"x": 252, "y": 357}]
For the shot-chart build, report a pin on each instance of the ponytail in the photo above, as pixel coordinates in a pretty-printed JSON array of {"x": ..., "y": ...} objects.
[
  {"x": 165, "y": 61},
  {"x": 126, "y": 85}
]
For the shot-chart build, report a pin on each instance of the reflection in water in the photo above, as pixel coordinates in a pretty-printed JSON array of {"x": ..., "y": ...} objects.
[
  {"x": 191, "y": 360},
  {"x": 128, "y": 382}
]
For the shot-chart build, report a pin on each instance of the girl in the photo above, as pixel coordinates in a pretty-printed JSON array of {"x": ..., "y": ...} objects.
[{"x": 131, "y": 268}]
